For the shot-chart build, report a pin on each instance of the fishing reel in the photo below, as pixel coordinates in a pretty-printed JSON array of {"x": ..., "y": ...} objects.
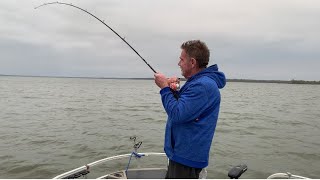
[
  {"x": 174, "y": 83},
  {"x": 174, "y": 86}
]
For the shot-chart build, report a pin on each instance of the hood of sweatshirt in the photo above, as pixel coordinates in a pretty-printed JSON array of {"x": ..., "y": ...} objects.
[{"x": 213, "y": 73}]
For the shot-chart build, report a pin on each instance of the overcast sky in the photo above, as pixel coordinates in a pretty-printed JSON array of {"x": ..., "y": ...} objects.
[{"x": 251, "y": 39}]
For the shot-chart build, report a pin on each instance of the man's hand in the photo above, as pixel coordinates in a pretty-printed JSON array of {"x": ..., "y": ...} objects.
[
  {"x": 174, "y": 83},
  {"x": 161, "y": 80}
]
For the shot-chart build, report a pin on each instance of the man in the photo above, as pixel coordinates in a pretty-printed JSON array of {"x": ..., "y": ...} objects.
[{"x": 192, "y": 111}]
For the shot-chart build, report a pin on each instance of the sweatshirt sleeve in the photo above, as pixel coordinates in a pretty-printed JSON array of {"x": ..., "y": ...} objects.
[{"x": 190, "y": 105}]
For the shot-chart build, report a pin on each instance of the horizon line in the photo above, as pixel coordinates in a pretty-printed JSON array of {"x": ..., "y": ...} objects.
[{"x": 147, "y": 78}]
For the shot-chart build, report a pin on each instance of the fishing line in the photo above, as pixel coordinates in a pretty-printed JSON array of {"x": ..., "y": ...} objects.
[{"x": 102, "y": 23}]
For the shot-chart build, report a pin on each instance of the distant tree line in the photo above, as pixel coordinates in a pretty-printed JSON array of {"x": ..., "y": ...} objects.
[
  {"x": 293, "y": 81},
  {"x": 303, "y": 82},
  {"x": 274, "y": 81}
]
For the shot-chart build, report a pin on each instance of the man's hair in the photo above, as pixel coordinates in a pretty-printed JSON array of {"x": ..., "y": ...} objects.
[{"x": 197, "y": 50}]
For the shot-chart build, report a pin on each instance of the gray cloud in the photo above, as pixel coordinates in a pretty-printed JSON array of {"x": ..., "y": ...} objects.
[{"x": 269, "y": 39}]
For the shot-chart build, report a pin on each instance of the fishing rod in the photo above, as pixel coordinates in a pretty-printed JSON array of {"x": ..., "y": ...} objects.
[{"x": 67, "y": 4}]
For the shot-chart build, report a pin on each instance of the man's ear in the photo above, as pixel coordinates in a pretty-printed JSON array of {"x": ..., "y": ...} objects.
[{"x": 193, "y": 62}]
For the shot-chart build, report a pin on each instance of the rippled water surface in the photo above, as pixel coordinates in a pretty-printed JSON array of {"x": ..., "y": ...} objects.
[{"x": 52, "y": 125}]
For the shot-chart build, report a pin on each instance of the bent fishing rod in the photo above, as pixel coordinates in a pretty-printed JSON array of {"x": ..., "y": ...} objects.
[{"x": 67, "y": 4}]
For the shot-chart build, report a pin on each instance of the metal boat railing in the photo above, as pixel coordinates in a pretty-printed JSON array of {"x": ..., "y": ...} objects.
[
  {"x": 83, "y": 169},
  {"x": 285, "y": 176}
]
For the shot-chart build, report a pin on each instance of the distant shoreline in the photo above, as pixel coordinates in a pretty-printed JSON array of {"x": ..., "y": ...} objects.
[
  {"x": 274, "y": 81},
  {"x": 183, "y": 79}
]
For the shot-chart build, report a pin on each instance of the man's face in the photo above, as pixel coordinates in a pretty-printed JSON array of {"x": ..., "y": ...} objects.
[{"x": 185, "y": 64}]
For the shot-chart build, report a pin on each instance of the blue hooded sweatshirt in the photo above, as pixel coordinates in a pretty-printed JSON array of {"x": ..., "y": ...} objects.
[{"x": 192, "y": 117}]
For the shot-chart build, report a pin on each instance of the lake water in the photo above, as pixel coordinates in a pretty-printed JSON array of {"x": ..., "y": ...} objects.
[{"x": 52, "y": 125}]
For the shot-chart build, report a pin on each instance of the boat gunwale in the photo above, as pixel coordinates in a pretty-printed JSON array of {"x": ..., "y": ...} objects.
[{"x": 76, "y": 170}]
